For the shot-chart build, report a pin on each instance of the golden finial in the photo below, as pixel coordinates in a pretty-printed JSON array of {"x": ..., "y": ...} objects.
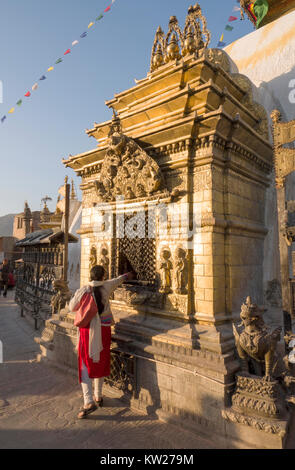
[
  {"x": 172, "y": 46},
  {"x": 157, "y": 50},
  {"x": 195, "y": 30},
  {"x": 158, "y": 59},
  {"x": 73, "y": 192}
]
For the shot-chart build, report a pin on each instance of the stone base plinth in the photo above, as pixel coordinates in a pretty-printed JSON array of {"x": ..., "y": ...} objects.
[{"x": 182, "y": 380}]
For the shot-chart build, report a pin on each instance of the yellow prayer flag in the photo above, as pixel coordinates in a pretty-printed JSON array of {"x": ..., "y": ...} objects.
[
  {"x": 90, "y": 24},
  {"x": 11, "y": 111},
  {"x": 222, "y": 36},
  {"x": 61, "y": 205},
  {"x": 50, "y": 68},
  {"x": 62, "y": 190}
]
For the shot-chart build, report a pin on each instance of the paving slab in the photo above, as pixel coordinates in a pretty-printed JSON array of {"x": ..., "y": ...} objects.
[{"x": 39, "y": 403}]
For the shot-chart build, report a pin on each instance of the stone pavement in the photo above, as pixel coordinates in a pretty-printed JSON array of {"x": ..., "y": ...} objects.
[{"x": 39, "y": 404}]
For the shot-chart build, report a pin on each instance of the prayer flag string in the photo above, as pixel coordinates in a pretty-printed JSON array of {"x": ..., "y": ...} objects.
[
  {"x": 228, "y": 27},
  {"x": 35, "y": 86}
]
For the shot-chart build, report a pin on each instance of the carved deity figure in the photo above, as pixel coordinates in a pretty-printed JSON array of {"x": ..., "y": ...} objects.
[
  {"x": 127, "y": 170},
  {"x": 61, "y": 297},
  {"x": 181, "y": 271},
  {"x": 166, "y": 268},
  {"x": 257, "y": 344},
  {"x": 92, "y": 258},
  {"x": 105, "y": 261}
]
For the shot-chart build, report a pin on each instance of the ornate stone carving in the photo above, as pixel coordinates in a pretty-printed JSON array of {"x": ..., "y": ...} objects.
[
  {"x": 257, "y": 344},
  {"x": 284, "y": 133},
  {"x": 127, "y": 169},
  {"x": 136, "y": 295},
  {"x": 105, "y": 261},
  {"x": 181, "y": 271},
  {"x": 166, "y": 268},
  {"x": 259, "y": 396},
  {"x": 270, "y": 427},
  {"x": 93, "y": 257}
]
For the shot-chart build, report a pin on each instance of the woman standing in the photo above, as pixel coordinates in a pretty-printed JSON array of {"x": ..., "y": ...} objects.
[{"x": 94, "y": 319}]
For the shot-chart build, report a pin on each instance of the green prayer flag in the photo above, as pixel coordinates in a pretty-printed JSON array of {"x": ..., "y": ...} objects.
[
  {"x": 229, "y": 28},
  {"x": 58, "y": 61},
  {"x": 260, "y": 9},
  {"x": 19, "y": 102},
  {"x": 99, "y": 17}
]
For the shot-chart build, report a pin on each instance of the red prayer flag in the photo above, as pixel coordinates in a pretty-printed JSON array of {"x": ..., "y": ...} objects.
[
  {"x": 232, "y": 18},
  {"x": 67, "y": 52},
  {"x": 28, "y": 94},
  {"x": 107, "y": 8}
]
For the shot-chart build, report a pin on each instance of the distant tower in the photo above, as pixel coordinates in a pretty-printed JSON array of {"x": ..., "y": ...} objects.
[
  {"x": 27, "y": 218},
  {"x": 45, "y": 213},
  {"x": 73, "y": 192}
]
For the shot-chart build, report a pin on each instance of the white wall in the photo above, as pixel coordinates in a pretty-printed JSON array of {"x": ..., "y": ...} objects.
[{"x": 267, "y": 58}]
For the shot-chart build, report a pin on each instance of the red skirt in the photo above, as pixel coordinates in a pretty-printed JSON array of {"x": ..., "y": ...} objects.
[{"x": 95, "y": 369}]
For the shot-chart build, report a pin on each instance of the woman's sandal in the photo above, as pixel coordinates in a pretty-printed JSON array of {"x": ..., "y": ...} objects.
[
  {"x": 99, "y": 401},
  {"x": 86, "y": 411}
]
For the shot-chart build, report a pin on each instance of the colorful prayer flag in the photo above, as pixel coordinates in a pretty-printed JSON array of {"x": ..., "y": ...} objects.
[
  {"x": 221, "y": 39},
  {"x": 229, "y": 28},
  {"x": 232, "y": 18},
  {"x": 221, "y": 44},
  {"x": 236, "y": 9},
  {"x": 260, "y": 9},
  {"x": 83, "y": 35}
]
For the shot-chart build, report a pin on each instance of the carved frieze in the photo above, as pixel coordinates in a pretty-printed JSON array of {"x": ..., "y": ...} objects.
[
  {"x": 127, "y": 170},
  {"x": 136, "y": 295},
  {"x": 260, "y": 424},
  {"x": 254, "y": 394}
]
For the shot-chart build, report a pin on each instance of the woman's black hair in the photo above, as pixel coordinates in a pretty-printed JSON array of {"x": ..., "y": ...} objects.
[{"x": 97, "y": 274}]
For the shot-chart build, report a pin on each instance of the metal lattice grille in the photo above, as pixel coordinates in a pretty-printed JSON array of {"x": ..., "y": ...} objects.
[
  {"x": 139, "y": 252},
  {"x": 123, "y": 369}
]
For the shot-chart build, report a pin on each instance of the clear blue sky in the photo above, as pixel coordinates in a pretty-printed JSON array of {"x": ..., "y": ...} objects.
[{"x": 50, "y": 125}]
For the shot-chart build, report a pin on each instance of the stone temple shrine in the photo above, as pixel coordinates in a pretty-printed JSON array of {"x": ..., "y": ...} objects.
[{"x": 177, "y": 191}]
